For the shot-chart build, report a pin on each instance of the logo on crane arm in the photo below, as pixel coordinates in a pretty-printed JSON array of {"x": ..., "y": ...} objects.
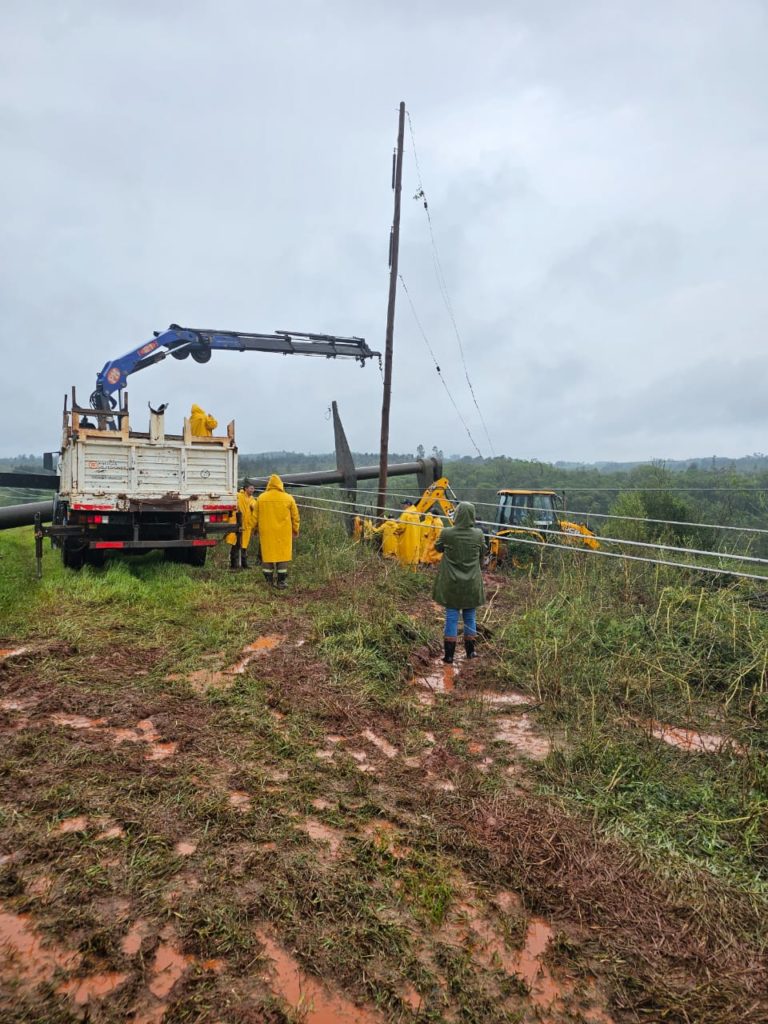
[
  {"x": 146, "y": 349},
  {"x": 113, "y": 376}
]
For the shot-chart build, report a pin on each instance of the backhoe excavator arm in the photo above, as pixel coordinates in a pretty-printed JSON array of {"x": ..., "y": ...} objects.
[{"x": 181, "y": 342}]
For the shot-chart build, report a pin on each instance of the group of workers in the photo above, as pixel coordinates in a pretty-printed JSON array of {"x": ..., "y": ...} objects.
[
  {"x": 275, "y": 516},
  {"x": 411, "y": 539}
]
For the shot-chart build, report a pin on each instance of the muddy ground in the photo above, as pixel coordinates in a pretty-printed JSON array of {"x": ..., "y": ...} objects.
[{"x": 301, "y": 823}]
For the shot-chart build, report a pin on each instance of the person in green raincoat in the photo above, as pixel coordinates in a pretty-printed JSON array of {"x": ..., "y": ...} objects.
[{"x": 459, "y": 583}]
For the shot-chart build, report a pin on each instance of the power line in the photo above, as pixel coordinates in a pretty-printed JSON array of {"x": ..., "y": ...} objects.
[
  {"x": 606, "y": 515},
  {"x": 657, "y": 546},
  {"x": 421, "y": 194},
  {"x": 590, "y": 551},
  {"x": 636, "y": 519},
  {"x": 437, "y": 366}
]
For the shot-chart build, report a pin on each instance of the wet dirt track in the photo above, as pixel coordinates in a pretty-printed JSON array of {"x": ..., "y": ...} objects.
[{"x": 154, "y": 961}]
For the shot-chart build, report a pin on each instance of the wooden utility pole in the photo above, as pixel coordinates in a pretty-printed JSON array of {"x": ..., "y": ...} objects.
[{"x": 394, "y": 247}]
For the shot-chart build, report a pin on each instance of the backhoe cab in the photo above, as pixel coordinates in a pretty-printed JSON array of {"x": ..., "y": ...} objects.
[{"x": 528, "y": 518}]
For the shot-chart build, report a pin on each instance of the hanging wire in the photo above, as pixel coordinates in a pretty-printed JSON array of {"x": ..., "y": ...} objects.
[
  {"x": 421, "y": 194},
  {"x": 437, "y": 365},
  {"x": 632, "y": 519},
  {"x": 583, "y": 550},
  {"x": 631, "y": 490},
  {"x": 657, "y": 546}
]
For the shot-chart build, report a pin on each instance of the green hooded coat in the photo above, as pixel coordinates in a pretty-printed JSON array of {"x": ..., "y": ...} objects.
[{"x": 459, "y": 582}]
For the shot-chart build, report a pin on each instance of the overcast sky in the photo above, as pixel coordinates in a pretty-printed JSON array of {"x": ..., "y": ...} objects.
[{"x": 597, "y": 174}]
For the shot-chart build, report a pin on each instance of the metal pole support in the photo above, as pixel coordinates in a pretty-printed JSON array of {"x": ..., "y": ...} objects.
[{"x": 39, "y": 545}]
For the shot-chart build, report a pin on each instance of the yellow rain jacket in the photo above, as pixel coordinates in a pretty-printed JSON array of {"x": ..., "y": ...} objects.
[
  {"x": 357, "y": 529},
  {"x": 201, "y": 423},
  {"x": 431, "y": 528},
  {"x": 409, "y": 540},
  {"x": 277, "y": 520},
  {"x": 389, "y": 531},
  {"x": 246, "y": 505}
]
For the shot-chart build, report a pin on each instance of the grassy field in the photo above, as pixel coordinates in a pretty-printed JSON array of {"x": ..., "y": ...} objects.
[{"x": 327, "y": 827}]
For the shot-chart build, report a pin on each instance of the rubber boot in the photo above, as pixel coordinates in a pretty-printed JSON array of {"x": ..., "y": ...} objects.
[
  {"x": 244, "y": 562},
  {"x": 268, "y": 576},
  {"x": 282, "y": 579},
  {"x": 449, "y": 646},
  {"x": 233, "y": 558},
  {"x": 469, "y": 646}
]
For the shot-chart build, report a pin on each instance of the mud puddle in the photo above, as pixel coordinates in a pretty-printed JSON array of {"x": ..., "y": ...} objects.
[
  {"x": 312, "y": 1001},
  {"x": 380, "y": 743},
  {"x": 547, "y": 993},
  {"x": 521, "y": 734},
  {"x": 691, "y": 740},
  {"x": 77, "y": 824},
  {"x": 240, "y": 800},
  {"x": 12, "y": 652},
  {"x": 505, "y": 699},
  {"x": 93, "y": 988},
  {"x": 134, "y": 937},
  {"x": 25, "y": 959},
  {"x": 442, "y": 679},
  {"x": 321, "y": 833},
  {"x": 143, "y": 732},
  {"x": 386, "y": 837},
  {"x": 205, "y": 678}
]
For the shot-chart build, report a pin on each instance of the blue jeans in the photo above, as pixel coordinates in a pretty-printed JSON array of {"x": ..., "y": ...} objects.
[{"x": 452, "y": 622}]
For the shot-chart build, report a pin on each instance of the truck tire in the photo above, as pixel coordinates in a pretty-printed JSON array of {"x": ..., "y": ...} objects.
[{"x": 72, "y": 557}]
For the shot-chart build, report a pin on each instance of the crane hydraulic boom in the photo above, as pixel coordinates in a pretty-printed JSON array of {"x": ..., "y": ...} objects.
[{"x": 181, "y": 342}]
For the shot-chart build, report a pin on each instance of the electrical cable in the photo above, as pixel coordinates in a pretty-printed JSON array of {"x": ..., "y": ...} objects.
[
  {"x": 631, "y": 490},
  {"x": 441, "y": 280},
  {"x": 603, "y": 540},
  {"x": 636, "y": 519},
  {"x": 437, "y": 365},
  {"x": 591, "y": 551},
  {"x": 606, "y": 515}
]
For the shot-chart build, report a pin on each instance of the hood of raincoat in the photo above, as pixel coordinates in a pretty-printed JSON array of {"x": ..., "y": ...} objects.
[
  {"x": 276, "y": 484},
  {"x": 464, "y": 515},
  {"x": 197, "y": 409}
]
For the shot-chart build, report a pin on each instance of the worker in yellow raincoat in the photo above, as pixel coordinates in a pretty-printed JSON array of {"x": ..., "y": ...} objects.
[
  {"x": 431, "y": 527},
  {"x": 276, "y": 517},
  {"x": 389, "y": 531},
  {"x": 409, "y": 540},
  {"x": 246, "y": 506},
  {"x": 201, "y": 423}
]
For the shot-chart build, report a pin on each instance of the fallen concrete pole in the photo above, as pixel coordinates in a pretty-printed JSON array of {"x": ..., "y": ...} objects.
[{"x": 24, "y": 515}]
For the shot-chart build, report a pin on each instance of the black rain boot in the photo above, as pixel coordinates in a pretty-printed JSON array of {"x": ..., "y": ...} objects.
[
  {"x": 282, "y": 579},
  {"x": 469, "y": 646},
  {"x": 244, "y": 562},
  {"x": 449, "y": 646},
  {"x": 233, "y": 557},
  {"x": 268, "y": 576}
]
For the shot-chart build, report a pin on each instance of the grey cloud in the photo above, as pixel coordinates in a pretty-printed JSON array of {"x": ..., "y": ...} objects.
[{"x": 597, "y": 175}]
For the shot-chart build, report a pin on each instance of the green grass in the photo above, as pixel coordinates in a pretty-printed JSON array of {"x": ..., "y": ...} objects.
[{"x": 601, "y": 650}]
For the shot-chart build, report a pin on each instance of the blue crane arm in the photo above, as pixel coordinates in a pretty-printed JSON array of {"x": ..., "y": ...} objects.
[{"x": 181, "y": 342}]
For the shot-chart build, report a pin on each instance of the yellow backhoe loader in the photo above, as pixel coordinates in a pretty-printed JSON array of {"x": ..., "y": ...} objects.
[{"x": 523, "y": 516}]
